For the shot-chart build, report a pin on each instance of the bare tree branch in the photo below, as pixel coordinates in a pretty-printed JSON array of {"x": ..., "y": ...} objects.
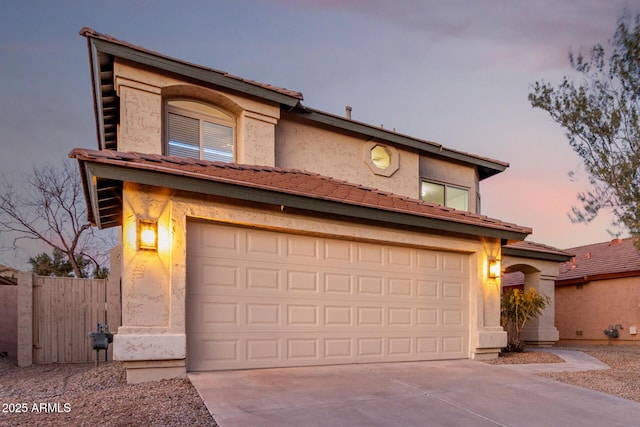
[{"x": 47, "y": 205}]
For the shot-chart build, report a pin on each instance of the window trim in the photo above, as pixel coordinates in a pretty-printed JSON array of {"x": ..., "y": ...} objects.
[
  {"x": 201, "y": 117},
  {"x": 446, "y": 187},
  {"x": 391, "y": 151}
]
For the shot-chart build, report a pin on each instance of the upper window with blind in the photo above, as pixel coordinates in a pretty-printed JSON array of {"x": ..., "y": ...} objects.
[{"x": 199, "y": 131}]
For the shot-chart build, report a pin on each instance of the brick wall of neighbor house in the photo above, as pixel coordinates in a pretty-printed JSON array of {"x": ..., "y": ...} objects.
[
  {"x": 583, "y": 312},
  {"x": 9, "y": 320}
]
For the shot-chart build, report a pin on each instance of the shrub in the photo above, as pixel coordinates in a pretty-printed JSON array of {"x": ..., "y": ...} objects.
[{"x": 517, "y": 307}]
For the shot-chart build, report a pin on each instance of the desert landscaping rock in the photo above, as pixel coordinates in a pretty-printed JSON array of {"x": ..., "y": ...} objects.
[{"x": 81, "y": 395}]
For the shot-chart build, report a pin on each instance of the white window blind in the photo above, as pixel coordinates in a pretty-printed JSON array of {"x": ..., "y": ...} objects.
[
  {"x": 198, "y": 138},
  {"x": 217, "y": 142},
  {"x": 184, "y": 136}
]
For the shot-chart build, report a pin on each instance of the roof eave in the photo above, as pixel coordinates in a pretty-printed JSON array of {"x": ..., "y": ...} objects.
[
  {"x": 595, "y": 277},
  {"x": 97, "y": 170},
  {"x": 544, "y": 256},
  {"x": 188, "y": 70}
]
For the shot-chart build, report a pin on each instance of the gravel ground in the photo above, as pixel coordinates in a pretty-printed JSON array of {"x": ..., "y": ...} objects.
[
  {"x": 623, "y": 379},
  {"x": 81, "y": 395}
]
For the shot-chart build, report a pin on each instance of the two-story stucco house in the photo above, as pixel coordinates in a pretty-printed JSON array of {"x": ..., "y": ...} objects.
[{"x": 281, "y": 235}]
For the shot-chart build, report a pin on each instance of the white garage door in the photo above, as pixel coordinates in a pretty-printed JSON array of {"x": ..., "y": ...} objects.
[{"x": 259, "y": 299}]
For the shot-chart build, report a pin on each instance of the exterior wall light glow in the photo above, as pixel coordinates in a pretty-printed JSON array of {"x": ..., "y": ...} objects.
[
  {"x": 494, "y": 268},
  {"x": 148, "y": 235}
]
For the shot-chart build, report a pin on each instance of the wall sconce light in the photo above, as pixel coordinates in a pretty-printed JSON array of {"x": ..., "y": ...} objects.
[
  {"x": 147, "y": 235},
  {"x": 494, "y": 268}
]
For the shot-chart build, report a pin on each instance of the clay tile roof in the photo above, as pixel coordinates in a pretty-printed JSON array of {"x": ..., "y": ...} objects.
[
  {"x": 89, "y": 32},
  {"x": 292, "y": 181},
  {"x": 618, "y": 256}
]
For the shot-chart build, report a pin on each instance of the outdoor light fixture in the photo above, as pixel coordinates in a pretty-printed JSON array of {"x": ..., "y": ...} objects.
[
  {"x": 494, "y": 268},
  {"x": 147, "y": 235}
]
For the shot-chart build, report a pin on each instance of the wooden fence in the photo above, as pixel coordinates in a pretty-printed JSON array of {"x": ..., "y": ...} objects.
[{"x": 56, "y": 314}]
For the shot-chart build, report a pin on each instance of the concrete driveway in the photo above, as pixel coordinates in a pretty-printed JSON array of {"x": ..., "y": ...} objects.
[{"x": 447, "y": 393}]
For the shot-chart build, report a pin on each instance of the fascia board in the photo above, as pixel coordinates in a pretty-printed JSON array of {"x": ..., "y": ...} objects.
[
  {"x": 194, "y": 72},
  {"x": 94, "y": 63},
  {"x": 544, "y": 256}
]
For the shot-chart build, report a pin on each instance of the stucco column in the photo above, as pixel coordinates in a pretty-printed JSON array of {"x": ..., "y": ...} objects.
[
  {"x": 25, "y": 318},
  {"x": 490, "y": 337},
  {"x": 148, "y": 344},
  {"x": 541, "y": 331}
]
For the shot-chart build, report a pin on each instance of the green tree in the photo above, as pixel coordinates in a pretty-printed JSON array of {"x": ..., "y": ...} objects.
[
  {"x": 59, "y": 265},
  {"x": 600, "y": 115},
  {"x": 517, "y": 308}
]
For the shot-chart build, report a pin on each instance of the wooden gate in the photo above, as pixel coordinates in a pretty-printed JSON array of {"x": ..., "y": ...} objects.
[
  {"x": 65, "y": 310},
  {"x": 56, "y": 314}
]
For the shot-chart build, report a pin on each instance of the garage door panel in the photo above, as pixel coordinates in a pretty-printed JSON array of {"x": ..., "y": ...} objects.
[
  {"x": 370, "y": 255},
  {"x": 227, "y": 351},
  {"x": 211, "y": 275},
  {"x": 453, "y": 262},
  {"x": 338, "y": 283},
  {"x": 215, "y": 313},
  {"x": 259, "y": 298},
  {"x": 262, "y": 278},
  {"x": 338, "y": 252}
]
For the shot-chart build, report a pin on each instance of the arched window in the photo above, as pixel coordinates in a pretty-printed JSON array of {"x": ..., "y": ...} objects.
[{"x": 199, "y": 131}]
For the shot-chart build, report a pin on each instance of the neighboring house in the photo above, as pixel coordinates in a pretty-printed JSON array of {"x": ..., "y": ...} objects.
[
  {"x": 281, "y": 235},
  {"x": 597, "y": 290}
]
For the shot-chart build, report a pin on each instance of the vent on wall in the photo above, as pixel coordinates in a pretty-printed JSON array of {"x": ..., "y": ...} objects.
[{"x": 578, "y": 333}]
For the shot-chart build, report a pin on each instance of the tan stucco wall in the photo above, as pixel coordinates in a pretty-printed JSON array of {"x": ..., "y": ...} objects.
[
  {"x": 154, "y": 283},
  {"x": 540, "y": 275},
  {"x": 451, "y": 173},
  {"x": 302, "y": 146},
  {"x": 142, "y": 94},
  {"x": 9, "y": 320},
  {"x": 264, "y": 138},
  {"x": 596, "y": 306}
]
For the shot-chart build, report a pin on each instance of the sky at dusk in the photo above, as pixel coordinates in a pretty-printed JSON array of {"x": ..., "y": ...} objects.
[{"x": 453, "y": 72}]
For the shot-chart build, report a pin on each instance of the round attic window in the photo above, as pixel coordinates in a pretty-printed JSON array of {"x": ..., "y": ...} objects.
[{"x": 380, "y": 157}]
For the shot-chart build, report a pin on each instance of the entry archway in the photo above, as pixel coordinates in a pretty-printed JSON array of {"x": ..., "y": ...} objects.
[{"x": 539, "y": 265}]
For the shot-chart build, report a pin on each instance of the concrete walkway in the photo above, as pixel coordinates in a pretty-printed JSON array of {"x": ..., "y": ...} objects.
[
  {"x": 574, "y": 361},
  {"x": 446, "y": 393}
]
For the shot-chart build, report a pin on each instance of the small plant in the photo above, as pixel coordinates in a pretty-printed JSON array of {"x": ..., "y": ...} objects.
[{"x": 517, "y": 309}]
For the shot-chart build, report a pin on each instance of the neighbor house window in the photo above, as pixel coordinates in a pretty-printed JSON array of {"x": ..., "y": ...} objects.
[
  {"x": 447, "y": 195},
  {"x": 199, "y": 131}
]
